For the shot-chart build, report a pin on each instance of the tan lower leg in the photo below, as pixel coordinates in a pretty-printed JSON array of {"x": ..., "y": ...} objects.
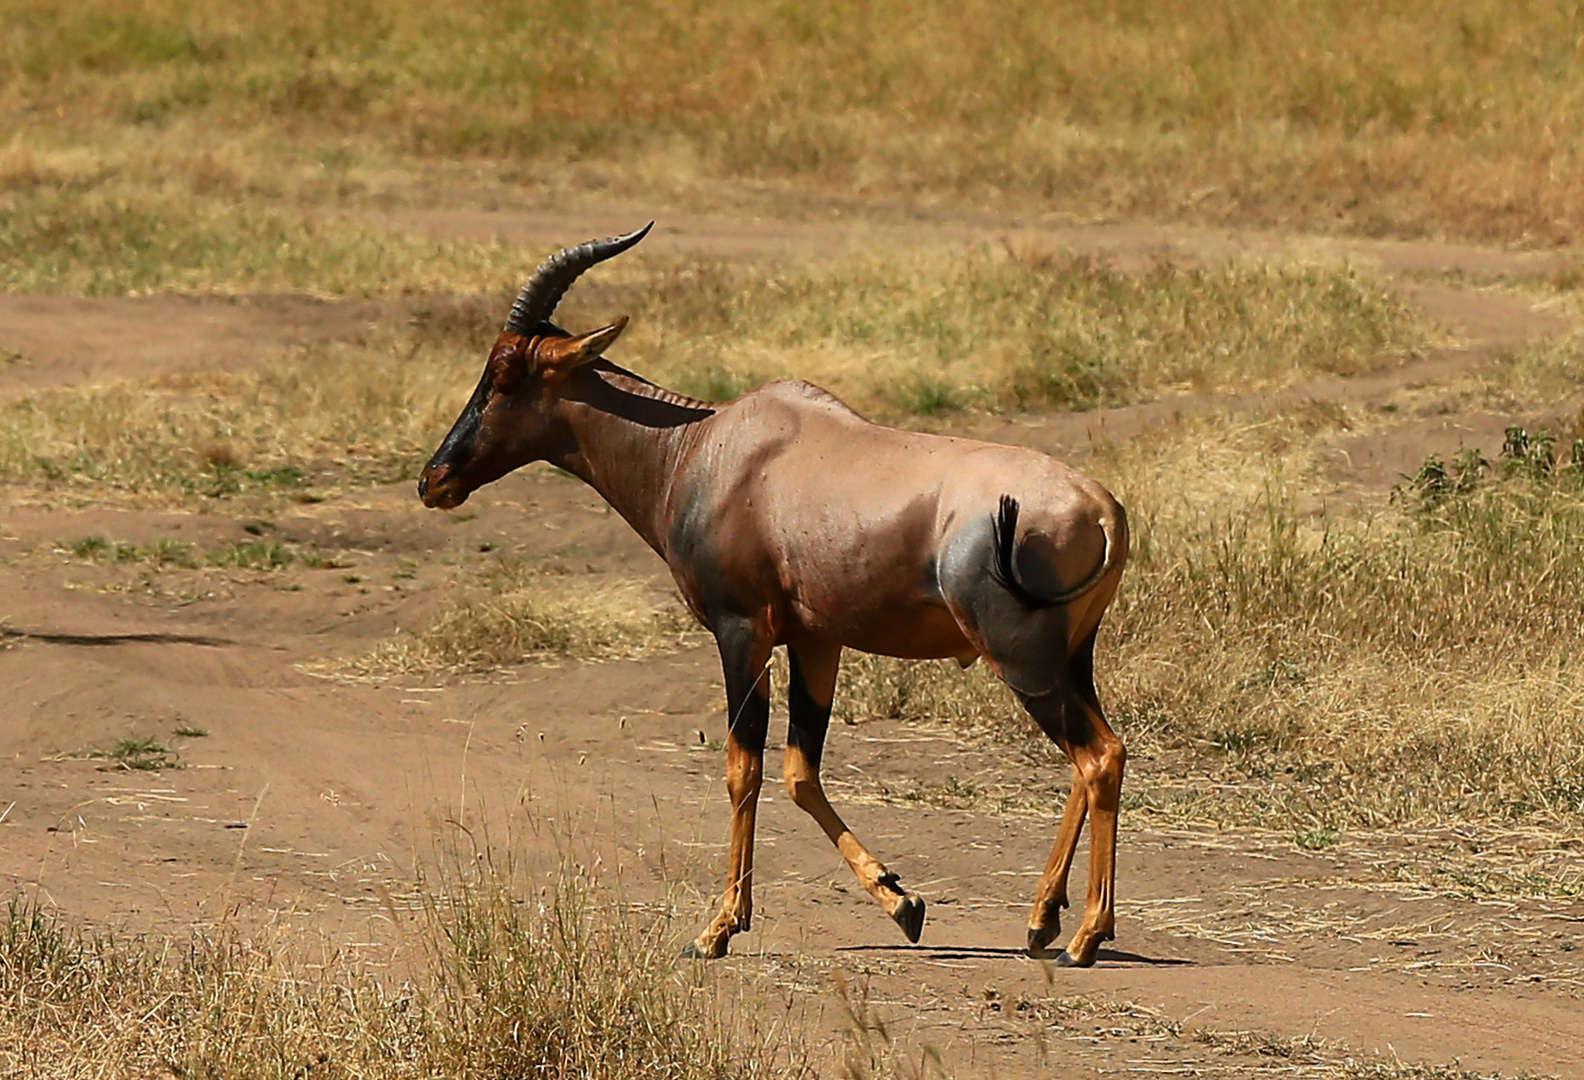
[
  {"x": 737, "y": 904},
  {"x": 803, "y": 785},
  {"x": 1051, "y": 897},
  {"x": 744, "y": 776},
  {"x": 1102, "y": 769}
]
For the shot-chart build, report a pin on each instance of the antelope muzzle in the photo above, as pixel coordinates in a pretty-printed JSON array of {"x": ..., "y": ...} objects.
[{"x": 438, "y": 489}]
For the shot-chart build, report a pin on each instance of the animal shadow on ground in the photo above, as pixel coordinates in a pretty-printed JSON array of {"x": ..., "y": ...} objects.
[
  {"x": 113, "y": 639},
  {"x": 972, "y": 952}
]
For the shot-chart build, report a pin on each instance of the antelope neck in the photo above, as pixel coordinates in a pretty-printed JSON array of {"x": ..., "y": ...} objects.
[{"x": 627, "y": 438}]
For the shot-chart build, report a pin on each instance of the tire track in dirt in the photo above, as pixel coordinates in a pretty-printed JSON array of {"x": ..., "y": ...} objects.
[
  {"x": 54, "y": 341},
  {"x": 1127, "y": 245}
]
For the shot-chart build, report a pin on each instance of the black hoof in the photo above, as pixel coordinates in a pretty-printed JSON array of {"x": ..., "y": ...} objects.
[
  {"x": 1066, "y": 959},
  {"x": 1039, "y": 940},
  {"x": 691, "y": 951},
  {"x": 909, "y": 915}
]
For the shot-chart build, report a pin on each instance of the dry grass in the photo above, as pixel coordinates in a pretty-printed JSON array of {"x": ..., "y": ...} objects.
[
  {"x": 1547, "y": 375},
  {"x": 1012, "y": 330},
  {"x": 128, "y": 240},
  {"x": 1463, "y": 119},
  {"x": 568, "y": 985},
  {"x": 1391, "y": 667},
  {"x": 533, "y": 615},
  {"x": 908, "y": 335},
  {"x": 346, "y": 413}
]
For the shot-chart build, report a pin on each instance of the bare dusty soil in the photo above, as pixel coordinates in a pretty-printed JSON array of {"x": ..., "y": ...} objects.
[{"x": 309, "y": 801}]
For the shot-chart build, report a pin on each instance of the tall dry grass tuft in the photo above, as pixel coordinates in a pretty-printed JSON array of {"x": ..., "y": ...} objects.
[
  {"x": 530, "y": 615},
  {"x": 565, "y": 983},
  {"x": 569, "y": 985}
]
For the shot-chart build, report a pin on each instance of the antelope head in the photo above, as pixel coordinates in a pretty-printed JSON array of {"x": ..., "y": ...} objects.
[{"x": 511, "y": 418}]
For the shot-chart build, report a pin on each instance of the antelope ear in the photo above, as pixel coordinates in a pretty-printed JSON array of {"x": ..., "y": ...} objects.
[{"x": 561, "y": 355}]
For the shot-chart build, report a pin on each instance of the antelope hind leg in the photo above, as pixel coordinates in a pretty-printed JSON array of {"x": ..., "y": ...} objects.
[
  {"x": 1098, "y": 759},
  {"x": 1045, "y": 917}
]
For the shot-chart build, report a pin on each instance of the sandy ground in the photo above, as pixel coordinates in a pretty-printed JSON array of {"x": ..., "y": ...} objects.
[{"x": 309, "y": 800}]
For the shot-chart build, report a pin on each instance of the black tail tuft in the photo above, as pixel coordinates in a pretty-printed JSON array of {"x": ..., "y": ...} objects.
[{"x": 1004, "y": 568}]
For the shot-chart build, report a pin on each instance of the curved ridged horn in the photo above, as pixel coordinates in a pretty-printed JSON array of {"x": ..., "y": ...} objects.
[{"x": 538, "y": 299}]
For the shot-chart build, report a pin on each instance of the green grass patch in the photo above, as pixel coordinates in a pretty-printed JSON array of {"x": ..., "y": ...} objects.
[
  {"x": 254, "y": 555},
  {"x": 1317, "y": 839},
  {"x": 162, "y": 552},
  {"x": 138, "y": 754},
  {"x": 243, "y": 555}
]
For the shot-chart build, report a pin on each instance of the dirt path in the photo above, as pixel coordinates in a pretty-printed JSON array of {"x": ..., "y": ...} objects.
[
  {"x": 309, "y": 800},
  {"x": 1128, "y": 245},
  {"x": 323, "y": 794},
  {"x": 66, "y": 340}
]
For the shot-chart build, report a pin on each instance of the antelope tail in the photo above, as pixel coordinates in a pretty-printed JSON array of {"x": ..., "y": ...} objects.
[{"x": 1004, "y": 567}]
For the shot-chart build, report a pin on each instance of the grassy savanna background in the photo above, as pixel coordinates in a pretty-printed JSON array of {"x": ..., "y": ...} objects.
[
  {"x": 1301, "y": 653},
  {"x": 1460, "y": 119}
]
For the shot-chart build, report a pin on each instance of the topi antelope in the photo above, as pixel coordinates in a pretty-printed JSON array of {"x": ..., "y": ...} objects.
[{"x": 788, "y": 519}]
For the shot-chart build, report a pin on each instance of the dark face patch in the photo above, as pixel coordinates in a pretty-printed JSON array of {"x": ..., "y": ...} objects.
[{"x": 480, "y": 446}]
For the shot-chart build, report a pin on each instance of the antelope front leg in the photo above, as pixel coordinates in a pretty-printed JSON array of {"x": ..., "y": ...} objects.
[
  {"x": 1045, "y": 918},
  {"x": 745, "y": 654},
  {"x": 809, "y": 709}
]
